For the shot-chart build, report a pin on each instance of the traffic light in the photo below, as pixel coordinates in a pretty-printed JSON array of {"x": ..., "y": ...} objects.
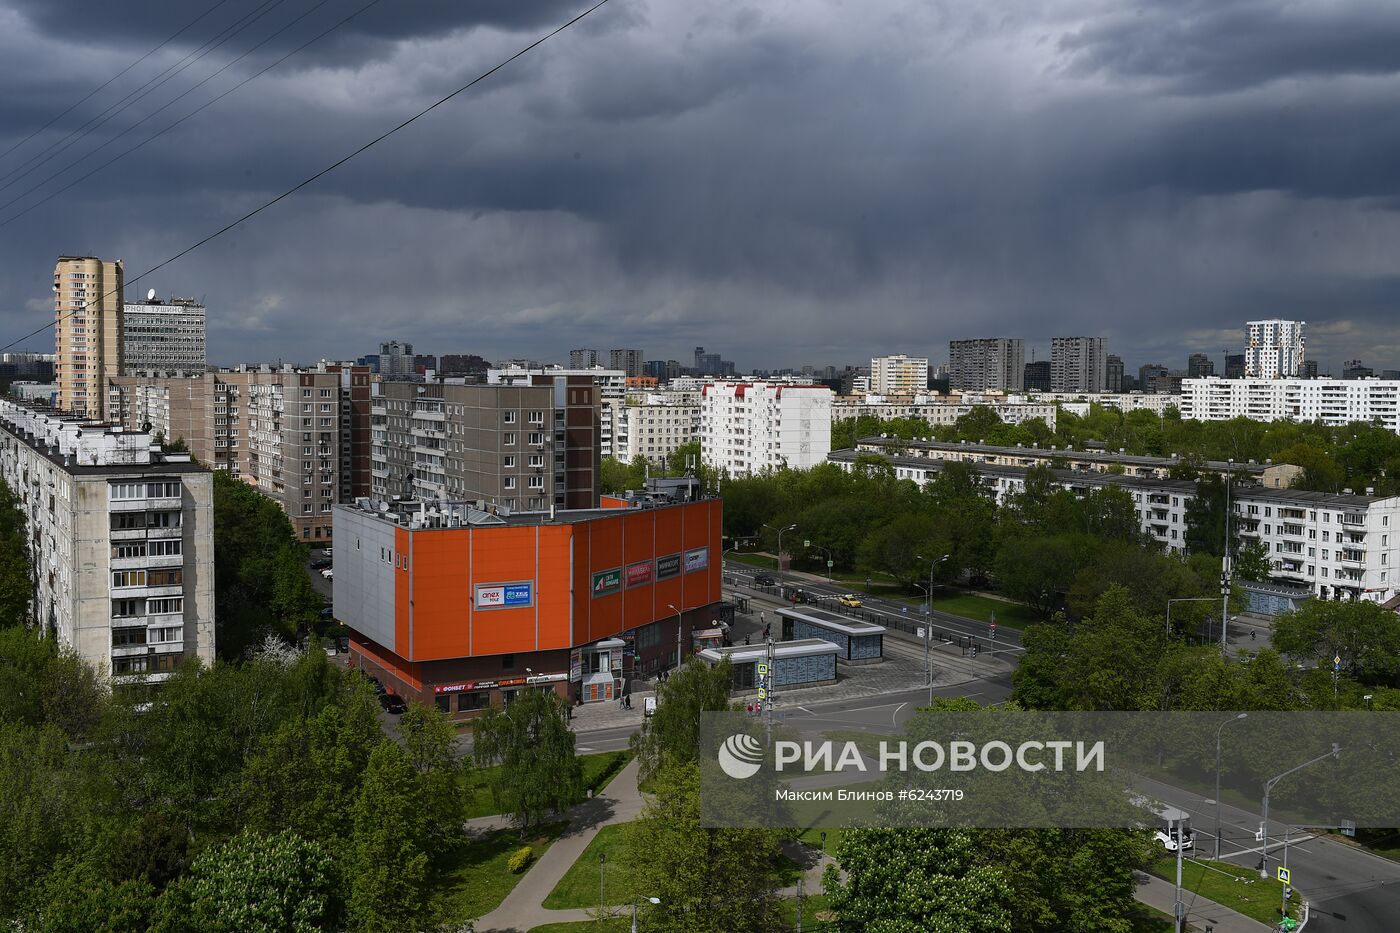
[{"x": 974, "y": 649}]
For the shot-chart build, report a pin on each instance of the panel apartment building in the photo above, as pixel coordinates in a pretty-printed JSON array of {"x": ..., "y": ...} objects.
[
  {"x": 750, "y": 427},
  {"x": 1334, "y": 402},
  {"x": 987, "y": 364},
  {"x": 163, "y": 337},
  {"x": 1078, "y": 364},
  {"x": 122, "y": 541},
  {"x": 88, "y": 311},
  {"x": 521, "y": 447},
  {"x": 898, "y": 375},
  {"x": 1273, "y": 349},
  {"x": 1336, "y": 545},
  {"x": 281, "y": 430}
]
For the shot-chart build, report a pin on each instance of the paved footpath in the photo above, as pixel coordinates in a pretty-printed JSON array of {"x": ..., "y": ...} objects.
[
  {"x": 620, "y": 802},
  {"x": 1200, "y": 913}
]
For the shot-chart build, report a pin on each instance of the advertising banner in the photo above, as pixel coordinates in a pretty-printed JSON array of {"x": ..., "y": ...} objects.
[
  {"x": 697, "y": 559},
  {"x": 504, "y": 595},
  {"x": 575, "y": 666},
  {"x": 668, "y": 566},
  {"x": 607, "y": 581},
  {"x": 639, "y": 574}
]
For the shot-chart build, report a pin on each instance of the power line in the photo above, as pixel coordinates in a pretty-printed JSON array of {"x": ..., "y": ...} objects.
[
  {"x": 328, "y": 169},
  {"x": 78, "y": 161},
  {"x": 114, "y": 77},
  {"x": 132, "y": 97}
]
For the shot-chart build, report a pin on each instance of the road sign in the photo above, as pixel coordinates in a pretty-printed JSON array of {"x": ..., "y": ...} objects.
[
  {"x": 1283, "y": 874},
  {"x": 919, "y": 632},
  {"x": 1336, "y": 662},
  {"x": 830, "y": 564},
  {"x": 762, "y": 693},
  {"x": 762, "y": 669}
]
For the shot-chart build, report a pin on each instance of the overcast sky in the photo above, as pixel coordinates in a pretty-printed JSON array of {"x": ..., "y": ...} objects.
[{"x": 783, "y": 182}]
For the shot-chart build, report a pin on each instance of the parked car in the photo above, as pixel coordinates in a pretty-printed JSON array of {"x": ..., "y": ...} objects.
[
  {"x": 343, "y": 643},
  {"x": 325, "y": 552},
  {"x": 328, "y": 573},
  {"x": 327, "y": 614},
  {"x": 392, "y": 703},
  {"x": 764, "y": 579},
  {"x": 850, "y": 601},
  {"x": 320, "y": 563}
]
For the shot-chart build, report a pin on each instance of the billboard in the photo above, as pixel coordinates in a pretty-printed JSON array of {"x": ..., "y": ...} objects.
[
  {"x": 639, "y": 574},
  {"x": 504, "y": 595},
  {"x": 607, "y": 581},
  {"x": 697, "y": 559},
  {"x": 668, "y": 566}
]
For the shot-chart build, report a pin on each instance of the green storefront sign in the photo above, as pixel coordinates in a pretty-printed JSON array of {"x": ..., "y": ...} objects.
[{"x": 607, "y": 581}]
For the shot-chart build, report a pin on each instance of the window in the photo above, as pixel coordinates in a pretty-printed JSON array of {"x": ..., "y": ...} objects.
[
  {"x": 509, "y": 417},
  {"x": 128, "y": 491},
  {"x": 508, "y": 482},
  {"x": 170, "y": 547},
  {"x": 508, "y": 462},
  {"x": 162, "y": 519},
  {"x": 122, "y": 578},
  {"x": 443, "y": 701},
  {"x": 166, "y": 606},
  {"x": 125, "y": 637},
  {"x": 537, "y": 417},
  {"x": 164, "y": 490},
  {"x": 127, "y": 551},
  {"x": 126, "y": 608},
  {"x": 537, "y": 482},
  {"x": 508, "y": 438},
  {"x": 167, "y": 634},
  {"x": 474, "y": 699},
  {"x": 536, "y": 438},
  {"x": 174, "y": 577},
  {"x": 132, "y": 665}
]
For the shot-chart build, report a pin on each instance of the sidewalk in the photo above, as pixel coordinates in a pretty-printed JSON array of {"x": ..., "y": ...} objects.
[
  {"x": 621, "y": 802},
  {"x": 1200, "y": 913}
]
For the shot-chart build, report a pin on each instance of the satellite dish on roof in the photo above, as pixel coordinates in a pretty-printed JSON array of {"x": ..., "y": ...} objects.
[{"x": 151, "y": 295}]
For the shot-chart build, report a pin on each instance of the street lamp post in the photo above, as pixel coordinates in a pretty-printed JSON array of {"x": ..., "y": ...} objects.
[
  {"x": 781, "y": 532},
  {"x": 1225, "y": 566},
  {"x": 1217, "y": 778},
  {"x": 738, "y": 543},
  {"x": 928, "y": 635},
  {"x": 652, "y": 900},
  {"x": 679, "y": 657},
  {"x": 1268, "y": 789}
]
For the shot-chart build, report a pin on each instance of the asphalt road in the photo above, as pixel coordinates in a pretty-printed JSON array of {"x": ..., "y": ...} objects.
[
  {"x": 1350, "y": 889},
  {"x": 876, "y": 609}
]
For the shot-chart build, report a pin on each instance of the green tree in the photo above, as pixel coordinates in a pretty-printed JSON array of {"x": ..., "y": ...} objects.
[
  {"x": 532, "y": 747},
  {"x": 78, "y": 896},
  {"x": 264, "y": 884},
  {"x": 917, "y": 881},
  {"x": 1038, "y": 570},
  {"x": 1075, "y": 880},
  {"x": 388, "y": 866},
  {"x": 261, "y": 583},
  {"x": 671, "y": 735},
  {"x": 428, "y": 738},
  {"x": 708, "y": 880},
  {"x": 1365, "y": 637}
]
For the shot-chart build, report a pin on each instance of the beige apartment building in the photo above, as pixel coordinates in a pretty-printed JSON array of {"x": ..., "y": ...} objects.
[
  {"x": 122, "y": 541},
  {"x": 88, "y": 332},
  {"x": 277, "y": 429},
  {"x": 522, "y": 447}
]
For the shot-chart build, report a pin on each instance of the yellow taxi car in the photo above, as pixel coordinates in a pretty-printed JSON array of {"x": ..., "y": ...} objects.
[{"x": 850, "y": 601}]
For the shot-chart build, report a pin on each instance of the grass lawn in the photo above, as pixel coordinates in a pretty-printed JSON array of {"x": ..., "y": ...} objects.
[
  {"x": 1216, "y": 881},
  {"x": 579, "y": 887},
  {"x": 813, "y": 837},
  {"x": 753, "y": 560},
  {"x": 477, "y": 880},
  {"x": 1011, "y": 615},
  {"x": 611, "y": 925},
  {"x": 598, "y": 770}
]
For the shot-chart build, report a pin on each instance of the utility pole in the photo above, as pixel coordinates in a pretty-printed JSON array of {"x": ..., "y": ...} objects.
[
  {"x": 1180, "y": 908},
  {"x": 772, "y": 680},
  {"x": 1225, "y": 566}
]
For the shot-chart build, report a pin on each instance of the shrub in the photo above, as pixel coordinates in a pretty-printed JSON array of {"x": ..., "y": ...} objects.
[{"x": 520, "y": 860}]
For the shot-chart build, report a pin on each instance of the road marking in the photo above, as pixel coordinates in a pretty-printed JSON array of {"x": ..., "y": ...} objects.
[{"x": 893, "y": 720}]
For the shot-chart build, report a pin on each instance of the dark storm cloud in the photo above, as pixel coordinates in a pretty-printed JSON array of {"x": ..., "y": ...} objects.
[
  {"x": 1208, "y": 46},
  {"x": 809, "y": 182}
]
